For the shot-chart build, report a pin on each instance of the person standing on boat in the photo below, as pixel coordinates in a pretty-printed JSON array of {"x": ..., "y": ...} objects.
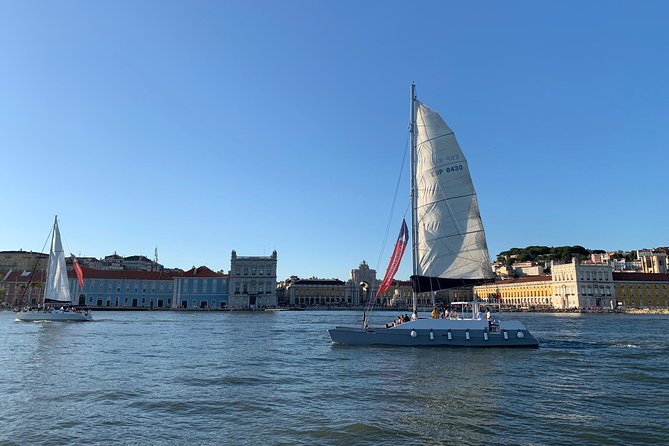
[{"x": 487, "y": 314}]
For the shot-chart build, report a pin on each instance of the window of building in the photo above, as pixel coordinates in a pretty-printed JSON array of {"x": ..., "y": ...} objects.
[
  {"x": 246, "y": 271},
  {"x": 261, "y": 270},
  {"x": 253, "y": 271}
]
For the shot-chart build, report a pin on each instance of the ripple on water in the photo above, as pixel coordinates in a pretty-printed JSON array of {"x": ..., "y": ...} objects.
[{"x": 222, "y": 378}]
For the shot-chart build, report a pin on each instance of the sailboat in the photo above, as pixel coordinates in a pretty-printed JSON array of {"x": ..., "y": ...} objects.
[
  {"x": 449, "y": 249},
  {"x": 56, "y": 304}
]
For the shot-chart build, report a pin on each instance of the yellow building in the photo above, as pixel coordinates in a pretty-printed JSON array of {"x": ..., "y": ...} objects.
[
  {"x": 642, "y": 290},
  {"x": 521, "y": 292}
]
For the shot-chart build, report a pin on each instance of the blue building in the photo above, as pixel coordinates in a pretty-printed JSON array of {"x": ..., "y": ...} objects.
[
  {"x": 200, "y": 288},
  {"x": 123, "y": 289}
]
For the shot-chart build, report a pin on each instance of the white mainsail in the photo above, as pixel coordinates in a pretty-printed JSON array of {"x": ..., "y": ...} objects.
[
  {"x": 57, "y": 286},
  {"x": 451, "y": 240}
]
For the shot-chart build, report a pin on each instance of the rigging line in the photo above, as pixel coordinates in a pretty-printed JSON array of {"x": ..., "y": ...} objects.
[
  {"x": 30, "y": 276},
  {"x": 392, "y": 207},
  {"x": 372, "y": 300}
]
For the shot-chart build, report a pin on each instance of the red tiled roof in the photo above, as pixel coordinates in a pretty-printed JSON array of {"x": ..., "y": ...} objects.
[
  {"x": 640, "y": 277},
  {"x": 18, "y": 276},
  {"x": 90, "y": 273},
  {"x": 201, "y": 271}
]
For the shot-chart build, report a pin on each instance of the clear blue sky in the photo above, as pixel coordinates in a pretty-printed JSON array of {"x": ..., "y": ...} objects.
[{"x": 205, "y": 126}]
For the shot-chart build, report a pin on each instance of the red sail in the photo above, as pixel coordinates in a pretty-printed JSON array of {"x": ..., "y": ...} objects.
[
  {"x": 395, "y": 260},
  {"x": 78, "y": 270}
]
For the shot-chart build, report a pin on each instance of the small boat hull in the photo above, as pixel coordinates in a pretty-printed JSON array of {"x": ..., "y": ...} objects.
[
  {"x": 62, "y": 316},
  {"x": 442, "y": 333}
]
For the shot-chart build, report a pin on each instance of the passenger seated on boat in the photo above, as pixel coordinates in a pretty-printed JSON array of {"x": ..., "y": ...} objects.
[
  {"x": 487, "y": 314},
  {"x": 414, "y": 316},
  {"x": 405, "y": 318},
  {"x": 435, "y": 314},
  {"x": 454, "y": 314}
]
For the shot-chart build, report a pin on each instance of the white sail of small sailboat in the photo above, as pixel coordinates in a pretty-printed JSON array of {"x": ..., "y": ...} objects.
[
  {"x": 57, "y": 303},
  {"x": 449, "y": 247}
]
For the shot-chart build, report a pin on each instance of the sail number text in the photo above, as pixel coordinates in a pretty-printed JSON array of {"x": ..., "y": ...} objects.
[{"x": 450, "y": 169}]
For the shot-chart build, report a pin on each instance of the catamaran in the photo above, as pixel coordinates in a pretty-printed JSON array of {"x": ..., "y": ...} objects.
[
  {"x": 56, "y": 304},
  {"x": 449, "y": 249}
]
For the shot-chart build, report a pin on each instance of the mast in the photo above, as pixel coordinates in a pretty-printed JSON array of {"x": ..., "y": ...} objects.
[
  {"x": 414, "y": 217},
  {"x": 48, "y": 265}
]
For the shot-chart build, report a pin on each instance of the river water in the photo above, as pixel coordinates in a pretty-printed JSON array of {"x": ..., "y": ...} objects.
[{"x": 173, "y": 378}]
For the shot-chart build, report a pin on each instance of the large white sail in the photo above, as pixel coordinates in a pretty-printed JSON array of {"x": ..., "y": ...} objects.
[
  {"x": 57, "y": 286},
  {"x": 451, "y": 239}
]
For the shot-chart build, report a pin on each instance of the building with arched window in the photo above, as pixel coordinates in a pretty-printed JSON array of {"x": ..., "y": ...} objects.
[{"x": 642, "y": 290}]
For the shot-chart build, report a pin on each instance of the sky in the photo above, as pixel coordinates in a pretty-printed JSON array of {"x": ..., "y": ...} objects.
[{"x": 199, "y": 127}]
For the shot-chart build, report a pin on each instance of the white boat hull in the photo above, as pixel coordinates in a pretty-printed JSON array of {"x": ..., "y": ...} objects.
[
  {"x": 56, "y": 315},
  {"x": 439, "y": 332}
]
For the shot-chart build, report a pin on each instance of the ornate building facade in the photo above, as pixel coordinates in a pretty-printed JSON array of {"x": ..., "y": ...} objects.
[
  {"x": 570, "y": 286},
  {"x": 310, "y": 292},
  {"x": 253, "y": 281}
]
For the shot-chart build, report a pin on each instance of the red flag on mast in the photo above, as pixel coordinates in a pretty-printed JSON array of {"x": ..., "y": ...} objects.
[
  {"x": 395, "y": 259},
  {"x": 78, "y": 270}
]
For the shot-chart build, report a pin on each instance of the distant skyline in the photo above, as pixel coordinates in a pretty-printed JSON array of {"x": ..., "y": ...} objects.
[{"x": 203, "y": 127}]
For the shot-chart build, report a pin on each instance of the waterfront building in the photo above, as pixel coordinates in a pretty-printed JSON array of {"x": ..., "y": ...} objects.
[
  {"x": 580, "y": 285},
  {"x": 642, "y": 290},
  {"x": 200, "y": 288},
  {"x": 23, "y": 288},
  {"x": 253, "y": 281},
  {"x": 521, "y": 292},
  {"x": 570, "y": 286},
  {"x": 123, "y": 289},
  {"x": 314, "y": 291},
  {"x": 119, "y": 289}
]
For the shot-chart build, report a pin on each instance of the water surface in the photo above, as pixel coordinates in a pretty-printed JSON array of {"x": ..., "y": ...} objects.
[{"x": 175, "y": 378}]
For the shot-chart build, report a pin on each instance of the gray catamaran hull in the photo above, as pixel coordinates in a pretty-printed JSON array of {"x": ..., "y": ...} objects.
[{"x": 450, "y": 337}]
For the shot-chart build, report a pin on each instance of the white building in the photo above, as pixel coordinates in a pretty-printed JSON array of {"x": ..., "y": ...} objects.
[
  {"x": 252, "y": 281},
  {"x": 577, "y": 285}
]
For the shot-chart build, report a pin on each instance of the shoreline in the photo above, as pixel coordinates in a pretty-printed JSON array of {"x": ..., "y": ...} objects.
[{"x": 634, "y": 311}]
